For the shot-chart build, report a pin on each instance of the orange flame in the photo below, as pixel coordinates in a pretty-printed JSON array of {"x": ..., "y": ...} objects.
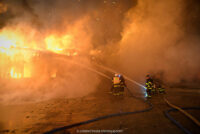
[
  {"x": 58, "y": 44},
  {"x": 16, "y": 51}
]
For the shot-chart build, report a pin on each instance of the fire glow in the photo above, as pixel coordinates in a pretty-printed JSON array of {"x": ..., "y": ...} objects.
[{"x": 17, "y": 53}]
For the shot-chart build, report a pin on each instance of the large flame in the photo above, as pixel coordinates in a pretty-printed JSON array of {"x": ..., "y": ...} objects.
[
  {"x": 13, "y": 55},
  {"x": 58, "y": 44},
  {"x": 17, "y": 52}
]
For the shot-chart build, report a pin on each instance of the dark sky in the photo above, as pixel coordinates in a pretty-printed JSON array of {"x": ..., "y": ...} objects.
[{"x": 191, "y": 17}]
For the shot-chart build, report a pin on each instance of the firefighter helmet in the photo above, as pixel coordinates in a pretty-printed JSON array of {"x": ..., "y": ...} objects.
[{"x": 147, "y": 76}]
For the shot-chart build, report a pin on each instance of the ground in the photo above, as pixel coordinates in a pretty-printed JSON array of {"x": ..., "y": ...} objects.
[{"x": 40, "y": 117}]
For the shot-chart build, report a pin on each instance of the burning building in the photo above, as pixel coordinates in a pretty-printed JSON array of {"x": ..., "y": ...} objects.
[
  {"x": 125, "y": 34},
  {"x": 19, "y": 55}
]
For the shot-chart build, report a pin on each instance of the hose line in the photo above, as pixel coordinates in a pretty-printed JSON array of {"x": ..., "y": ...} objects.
[
  {"x": 184, "y": 112},
  {"x": 176, "y": 122},
  {"x": 103, "y": 117},
  {"x": 175, "y": 108}
]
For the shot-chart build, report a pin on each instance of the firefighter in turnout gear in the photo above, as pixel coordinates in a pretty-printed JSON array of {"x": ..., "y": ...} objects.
[
  {"x": 118, "y": 85},
  {"x": 161, "y": 90},
  {"x": 153, "y": 86},
  {"x": 149, "y": 86},
  {"x": 158, "y": 83}
]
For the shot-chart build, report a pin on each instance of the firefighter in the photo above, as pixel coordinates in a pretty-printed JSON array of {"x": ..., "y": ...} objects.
[
  {"x": 118, "y": 84},
  {"x": 161, "y": 90},
  {"x": 149, "y": 85},
  {"x": 148, "y": 79},
  {"x": 122, "y": 84},
  {"x": 157, "y": 78}
]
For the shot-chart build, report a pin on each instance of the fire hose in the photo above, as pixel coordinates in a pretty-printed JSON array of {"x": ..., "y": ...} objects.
[
  {"x": 184, "y": 112},
  {"x": 106, "y": 116},
  {"x": 99, "y": 118},
  {"x": 175, "y": 108},
  {"x": 176, "y": 122}
]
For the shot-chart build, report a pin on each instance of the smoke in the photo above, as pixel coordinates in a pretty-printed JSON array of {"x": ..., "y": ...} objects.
[
  {"x": 104, "y": 17},
  {"x": 71, "y": 81},
  {"x": 5, "y": 15},
  {"x": 161, "y": 38},
  {"x": 135, "y": 37},
  {"x": 89, "y": 24}
]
